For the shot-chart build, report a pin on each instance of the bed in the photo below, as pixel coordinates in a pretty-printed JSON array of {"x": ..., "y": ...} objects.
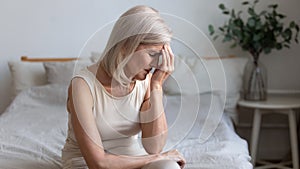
[{"x": 33, "y": 127}]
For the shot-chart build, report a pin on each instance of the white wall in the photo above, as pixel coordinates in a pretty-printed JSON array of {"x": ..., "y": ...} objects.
[{"x": 60, "y": 28}]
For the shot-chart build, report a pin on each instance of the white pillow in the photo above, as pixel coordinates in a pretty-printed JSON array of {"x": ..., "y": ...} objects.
[
  {"x": 193, "y": 116},
  {"x": 26, "y": 74},
  {"x": 62, "y": 72},
  {"x": 95, "y": 56},
  {"x": 194, "y": 75}
]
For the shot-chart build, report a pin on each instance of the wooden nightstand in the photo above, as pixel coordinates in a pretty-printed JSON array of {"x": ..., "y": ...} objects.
[{"x": 274, "y": 104}]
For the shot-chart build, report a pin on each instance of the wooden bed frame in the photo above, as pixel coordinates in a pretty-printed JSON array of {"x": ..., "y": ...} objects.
[
  {"x": 218, "y": 57},
  {"x": 27, "y": 59}
]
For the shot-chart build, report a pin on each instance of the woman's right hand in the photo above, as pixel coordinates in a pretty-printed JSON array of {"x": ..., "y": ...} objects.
[{"x": 174, "y": 155}]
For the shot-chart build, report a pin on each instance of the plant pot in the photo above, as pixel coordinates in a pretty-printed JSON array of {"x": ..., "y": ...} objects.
[{"x": 255, "y": 81}]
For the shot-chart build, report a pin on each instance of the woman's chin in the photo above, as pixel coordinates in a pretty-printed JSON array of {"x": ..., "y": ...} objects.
[{"x": 140, "y": 76}]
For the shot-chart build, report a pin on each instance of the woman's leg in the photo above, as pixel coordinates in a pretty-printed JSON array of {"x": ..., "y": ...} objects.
[
  {"x": 162, "y": 164},
  {"x": 75, "y": 163}
]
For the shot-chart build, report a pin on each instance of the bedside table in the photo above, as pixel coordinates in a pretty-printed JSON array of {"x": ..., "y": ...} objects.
[{"x": 274, "y": 104}]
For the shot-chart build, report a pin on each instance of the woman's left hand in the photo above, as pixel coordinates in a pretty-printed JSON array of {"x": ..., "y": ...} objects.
[{"x": 164, "y": 69}]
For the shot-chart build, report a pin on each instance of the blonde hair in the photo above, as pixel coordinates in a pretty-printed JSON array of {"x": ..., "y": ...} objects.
[{"x": 138, "y": 25}]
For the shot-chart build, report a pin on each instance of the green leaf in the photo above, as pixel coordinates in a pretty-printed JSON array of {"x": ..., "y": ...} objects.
[
  {"x": 239, "y": 13},
  {"x": 287, "y": 34},
  {"x": 225, "y": 12},
  {"x": 258, "y": 26},
  {"x": 211, "y": 29},
  {"x": 262, "y": 13},
  {"x": 297, "y": 28},
  {"x": 257, "y": 37},
  {"x": 292, "y": 24},
  {"x": 238, "y": 22},
  {"x": 278, "y": 46},
  {"x": 281, "y": 16},
  {"x": 222, "y": 6},
  {"x": 267, "y": 50},
  {"x": 274, "y": 6},
  {"x": 251, "y": 11},
  {"x": 227, "y": 38},
  {"x": 233, "y": 13},
  {"x": 251, "y": 22},
  {"x": 237, "y": 33},
  {"x": 245, "y": 3},
  {"x": 216, "y": 37}
]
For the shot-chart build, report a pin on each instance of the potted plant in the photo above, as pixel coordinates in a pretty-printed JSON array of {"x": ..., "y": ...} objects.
[{"x": 256, "y": 32}]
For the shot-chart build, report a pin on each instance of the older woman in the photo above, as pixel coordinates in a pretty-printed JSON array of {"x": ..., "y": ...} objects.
[{"x": 112, "y": 101}]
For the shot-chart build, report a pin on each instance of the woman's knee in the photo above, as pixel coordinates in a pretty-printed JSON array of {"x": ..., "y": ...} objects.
[{"x": 162, "y": 164}]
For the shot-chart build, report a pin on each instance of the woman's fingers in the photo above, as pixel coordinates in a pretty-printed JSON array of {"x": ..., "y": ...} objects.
[
  {"x": 171, "y": 57},
  {"x": 177, "y": 156},
  {"x": 164, "y": 66},
  {"x": 167, "y": 65},
  {"x": 167, "y": 59}
]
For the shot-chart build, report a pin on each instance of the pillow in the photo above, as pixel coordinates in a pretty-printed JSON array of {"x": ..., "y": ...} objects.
[
  {"x": 193, "y": 116},
  {"x": 62, "y": 72},
  {"x": 194, "y": 75},
  {"x": 95, "y": 56},
  {"x": 26, "y": 74}
]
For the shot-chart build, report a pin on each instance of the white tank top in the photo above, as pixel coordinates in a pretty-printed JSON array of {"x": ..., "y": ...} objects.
[{"x": 117, "y": 119}]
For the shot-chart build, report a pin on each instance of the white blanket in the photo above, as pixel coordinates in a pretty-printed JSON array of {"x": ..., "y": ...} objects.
[
  {"x": 33, "y": 131},
  {"x": 209, "y": 141}
]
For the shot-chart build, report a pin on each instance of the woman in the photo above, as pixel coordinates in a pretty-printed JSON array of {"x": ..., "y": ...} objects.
[{"x": 110, "y": 102}]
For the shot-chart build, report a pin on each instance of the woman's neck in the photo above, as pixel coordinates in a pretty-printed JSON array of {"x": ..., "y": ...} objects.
[{"x": 111, "y": 85}]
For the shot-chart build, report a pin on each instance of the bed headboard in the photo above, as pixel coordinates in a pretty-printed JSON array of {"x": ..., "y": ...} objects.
[
  {"x": 218, "y": 57},
  {"x": 27, "y": 59}
]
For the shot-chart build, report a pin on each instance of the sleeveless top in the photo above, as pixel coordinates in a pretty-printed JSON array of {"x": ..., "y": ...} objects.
[{"x": 117, "y": 119}]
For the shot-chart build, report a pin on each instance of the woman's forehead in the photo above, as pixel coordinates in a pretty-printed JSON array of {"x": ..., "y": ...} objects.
[{"x": 156, "y": 47}]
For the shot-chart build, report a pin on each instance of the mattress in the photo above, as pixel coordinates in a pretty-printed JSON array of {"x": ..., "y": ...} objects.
[{"x": 34, "y": 127}]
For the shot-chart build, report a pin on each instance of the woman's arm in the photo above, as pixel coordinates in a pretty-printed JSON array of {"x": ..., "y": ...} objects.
[
  {"x": 153, "y": 122},
  {"x": 80, "y": 104},
  {"x": 152, "y": 116}
]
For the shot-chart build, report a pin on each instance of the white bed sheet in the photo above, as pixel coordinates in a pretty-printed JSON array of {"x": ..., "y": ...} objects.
[
  {"x": 223, "y": 149},
  {"x": 33, "y": 131}
]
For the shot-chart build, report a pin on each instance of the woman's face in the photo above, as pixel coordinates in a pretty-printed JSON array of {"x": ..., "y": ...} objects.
[{"x": 142, "y": 61}]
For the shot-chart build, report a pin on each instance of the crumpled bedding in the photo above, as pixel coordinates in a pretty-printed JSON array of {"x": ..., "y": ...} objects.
[
  {"x": 33, "y": 131},
  {"x": 223, "y": 149}
]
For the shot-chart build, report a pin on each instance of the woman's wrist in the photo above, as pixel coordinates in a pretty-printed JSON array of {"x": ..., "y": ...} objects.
[
  {"x": 156, "y": 86},
  {"x": 153, "y": 158}
]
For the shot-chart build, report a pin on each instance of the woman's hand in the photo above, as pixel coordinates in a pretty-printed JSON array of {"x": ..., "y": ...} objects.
[
  {"x": 174, "y": 155},
  {"x": 164, "y": 69}
]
